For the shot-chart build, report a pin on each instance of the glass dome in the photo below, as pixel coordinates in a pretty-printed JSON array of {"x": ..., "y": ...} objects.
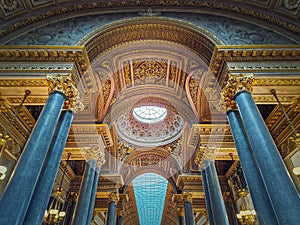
[{"x": 149, "y": 114}]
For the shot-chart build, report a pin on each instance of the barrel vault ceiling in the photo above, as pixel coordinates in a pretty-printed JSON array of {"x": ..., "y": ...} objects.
[{"x": 172, "y": 54}]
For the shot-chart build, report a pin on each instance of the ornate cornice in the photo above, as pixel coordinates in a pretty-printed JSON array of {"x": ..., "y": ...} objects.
[
  {"x": 277, "y": 55},
  {"x": 41, "y": 60}
]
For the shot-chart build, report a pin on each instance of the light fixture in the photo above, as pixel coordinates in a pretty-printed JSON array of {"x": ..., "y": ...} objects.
[
  {"x": 296, "y": 170},
  {"x": 54, "y": 215},
  {"x": 246, "y": 215},
  {"x": 4, "y": 137}
]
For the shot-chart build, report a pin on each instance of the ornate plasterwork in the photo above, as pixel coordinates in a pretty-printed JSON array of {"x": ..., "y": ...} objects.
[
  {"x": 79, "y": 8},
  {"x": 150, "y": 135}
]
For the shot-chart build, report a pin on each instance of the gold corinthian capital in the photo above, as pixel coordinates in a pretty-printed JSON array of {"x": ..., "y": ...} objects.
[
  {"x": 65, "y": 85},
  {"x": 235, "y": 84}
]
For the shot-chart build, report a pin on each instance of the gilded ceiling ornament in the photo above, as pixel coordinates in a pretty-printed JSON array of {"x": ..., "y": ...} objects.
[
  {"x": 65, "y": 85},
  {"x": 291, "y": 4},
  {"x": 10, "y": 5}
]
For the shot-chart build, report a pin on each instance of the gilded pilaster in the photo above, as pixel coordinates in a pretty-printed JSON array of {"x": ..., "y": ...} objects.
[{"x": 65, "y": 85}]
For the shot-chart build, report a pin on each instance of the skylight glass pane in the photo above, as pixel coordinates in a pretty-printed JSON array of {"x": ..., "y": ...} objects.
[
  {"x": 149, "y": 114},
  {"x": 150, "y": 192}
]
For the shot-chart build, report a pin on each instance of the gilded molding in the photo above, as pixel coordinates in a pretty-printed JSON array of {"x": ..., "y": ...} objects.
[
  {"x": 95, "y": 153},
  {"x": 23, "y": 82},
  {"x": 4, "y": 106},
  {"x": 276, "y": 82},
  {"x": 65, "y": 85},
  {"x": 252, "y": 53}
]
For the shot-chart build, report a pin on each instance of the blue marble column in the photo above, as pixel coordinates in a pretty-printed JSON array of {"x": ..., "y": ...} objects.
[
  {"x": 70, "y": 209},
  {"x": 261, "y": 202},
  {"x": 17, "y": 195},
  {"x": 281, "y": 190},
  {"x": 82, "y": 207},
  {"x": 207, "y": 198},
  {"x": 119, "y": 220},
  {"x": 217, "y": 202},
  {"x": 188, "y": 210},
  {"x": 112, "y": 207},
  {"x": 38, "y": 205},
  {"x": 180, "y": 220},
  {"x": 93, "y": 196}
]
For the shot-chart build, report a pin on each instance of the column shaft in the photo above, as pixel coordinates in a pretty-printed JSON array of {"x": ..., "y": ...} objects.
[
  {"x": 281, "y": 190},
  {"x": 93, "y": 196},
  {"x": 83, "y": 203},
  {"x": 26, "y": 173},
  {"x": 259, "y": 195},
  {"x": 69, "y": 213},
  {"x": 217, "y": 202},
  {"x": 38, "y": 203},
  {"x": 180, "y": 220},
  {"x": 207, "y": 198},
  {"x": 188, "y": 212},
  {"x": 119, "y": 220},
  {"x": 111, "y": 217}
]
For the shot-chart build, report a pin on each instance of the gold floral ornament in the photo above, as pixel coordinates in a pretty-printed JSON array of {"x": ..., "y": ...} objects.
[
  {"x": 65, "y": 85},
  {"x": 235, "y": 84}
]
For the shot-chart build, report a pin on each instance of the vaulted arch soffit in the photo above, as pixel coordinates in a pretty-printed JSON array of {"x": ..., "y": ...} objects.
[
  {"x": 134, "y": 54},
  {"x": 154, "y": 161}
]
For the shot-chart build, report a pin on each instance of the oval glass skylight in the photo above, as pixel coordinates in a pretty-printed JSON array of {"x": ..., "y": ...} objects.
[{"x": 149, "y": 114}]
